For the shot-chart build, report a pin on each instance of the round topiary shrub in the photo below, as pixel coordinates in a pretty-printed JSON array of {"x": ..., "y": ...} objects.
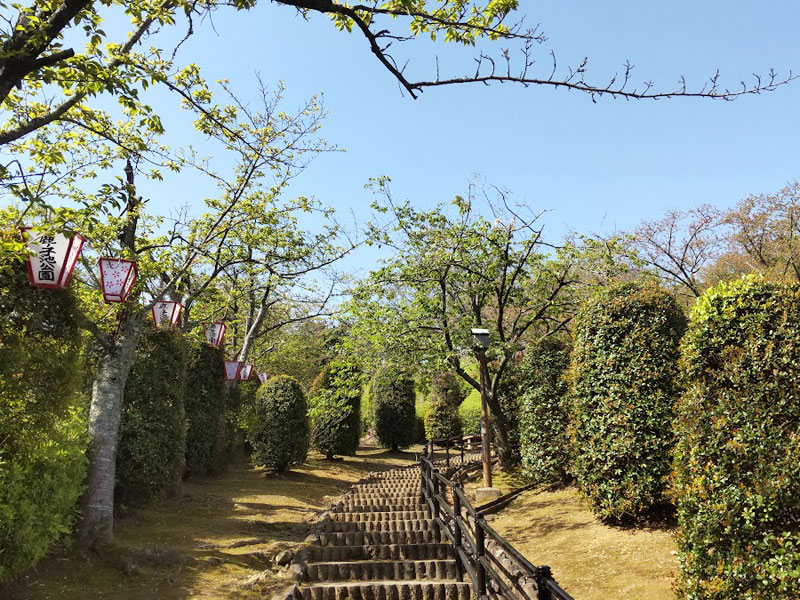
[
  {"x": 441, "y": 420},
  {"x": 623, "y": 387},
  {"x": 544, "y": 415},
  {"x": 448, "y": 387},
  {"x": 42, "y": 418},
  {"x": 392, "y": 397},
  {"x": 469, "y": 413},
  {"x": 281, "y": 436},
  {"x": 152, "y": 436},
  {"x": 737, "y": 458},
  {"x": 205, "y": 399}
]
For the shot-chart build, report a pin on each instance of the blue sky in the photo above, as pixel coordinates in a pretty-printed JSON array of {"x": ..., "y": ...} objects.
[{"x": 596, "y": 166}]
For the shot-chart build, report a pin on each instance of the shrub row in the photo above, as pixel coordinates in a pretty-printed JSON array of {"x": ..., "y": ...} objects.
[{"x": 42, "y": 424}]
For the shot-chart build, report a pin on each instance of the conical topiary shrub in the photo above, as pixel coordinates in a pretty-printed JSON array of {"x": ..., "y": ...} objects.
[{"x": 392, "y": 398}]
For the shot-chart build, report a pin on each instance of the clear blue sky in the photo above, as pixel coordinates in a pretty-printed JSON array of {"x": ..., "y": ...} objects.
[{"x": 596, "y": 165}]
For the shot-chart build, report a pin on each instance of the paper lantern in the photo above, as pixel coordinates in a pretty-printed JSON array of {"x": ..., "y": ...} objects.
[
  {"x": 232, "y": 368},
  {"x": 244, "y": 374},
  {"x": 215, "y": 333},
  {"x": 54, "y": 257},
  {"x": 166, "y": 313},
  {"x": 262, "y": 377},
  {"x": 117, "y": 276}
]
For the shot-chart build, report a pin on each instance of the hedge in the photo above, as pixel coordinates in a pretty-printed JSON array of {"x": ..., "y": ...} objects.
[
  {"x": 280, "y": 438},
  {"x": 205, "y": 399},
  {"x": 441, "y": 420},
  {"x": 392, "y": 397},
  {"x": 42, "y": 422},
  {"x": 737, "y": 458},
  {"x": 448, "y": 387},
  {"x": 544, "y": 412},
  {"x": 152, "y": 438},
  {"x": 623, "y": 379},
  {"x": 240, "y": 411},
  {"x": 335, "y": 401},
  {"x": 470, "y": 415}
]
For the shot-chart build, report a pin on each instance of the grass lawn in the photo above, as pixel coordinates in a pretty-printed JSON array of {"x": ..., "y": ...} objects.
[
  {"x": 590, "y": 560},
  {"x": 217, "y": 541}
]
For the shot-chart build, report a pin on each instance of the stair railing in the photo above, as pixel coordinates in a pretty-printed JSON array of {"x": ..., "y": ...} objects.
[{"x": 496, "y": 569}]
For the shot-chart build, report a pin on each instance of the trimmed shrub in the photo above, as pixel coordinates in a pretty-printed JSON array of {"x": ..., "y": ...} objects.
[
  {"x": 335, "y": 400},
  {"x": 42, "y": 425},
  {"x": 544, "y": 416},
  {"x": 623, "y": 378},
  {"x": 392, "y": 397},
  {"x": 419, "y": 421},
  {"x": 441, "y": 420},
  {"x": 152, "y": 436},
  {"x": 469, "y": 413},
  {"x": 240, "y": 412},
  {"x": 205, "y": 399},
  {"x": 737, "y": 458},
  {"x": 280, "y": 439},
  {"x": 448, "y": 387}
]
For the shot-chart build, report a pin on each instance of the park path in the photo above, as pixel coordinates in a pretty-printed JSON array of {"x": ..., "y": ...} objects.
[{"x": 378, "y": 542}]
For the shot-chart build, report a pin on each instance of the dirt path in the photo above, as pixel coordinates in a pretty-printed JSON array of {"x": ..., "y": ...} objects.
[{"x": 219, "y": 540}]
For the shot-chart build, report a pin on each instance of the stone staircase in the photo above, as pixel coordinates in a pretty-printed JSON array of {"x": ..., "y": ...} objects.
[{"x": 378, "y": 542}]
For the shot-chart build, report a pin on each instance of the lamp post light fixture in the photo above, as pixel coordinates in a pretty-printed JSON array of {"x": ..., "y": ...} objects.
[{"x": 481, "y": 337}]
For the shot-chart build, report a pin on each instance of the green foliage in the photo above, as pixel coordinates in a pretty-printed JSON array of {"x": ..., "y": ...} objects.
[
  {"x": 205, "y": 399},
  {"x": 393, "y": 398},
  {"x": 441, "y": 420},
  {"x": 152, "y": 443},
  {"x": 240, "y": 415},
  {"x": 623, "y": 377},
  {"x": 544, "y": 414},
  {"x": 469, "y": 413},
  {"x": 737, "y": 457},
  {"x": 281, "y": 436},
  {"x": 42, "y": 430},
  {"x": 335, "y": 400},
  {"x": 449, "y": 387}
]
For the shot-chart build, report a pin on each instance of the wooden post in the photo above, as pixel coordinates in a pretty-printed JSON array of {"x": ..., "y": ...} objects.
[
  {"x": 457, "y": 533},
  {"x": 480, "y": 544},
  {"x": 485, "y": 439}
]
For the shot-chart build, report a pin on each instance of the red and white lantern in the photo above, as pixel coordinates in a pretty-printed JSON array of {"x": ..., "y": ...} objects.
[
  {"x": 244, "y": 374},
  {"x": 54, "y": 257},
  {"x": 117, "y": 276},
  {"x": 262, "y": 377},
  {"x": 166, "y": 313},
  {"x": 232, "y": 368},
  {"x": 215, "y": 333}
]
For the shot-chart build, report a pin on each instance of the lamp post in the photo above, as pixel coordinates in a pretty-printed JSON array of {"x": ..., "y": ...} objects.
[{"x": 482, "y": 338}]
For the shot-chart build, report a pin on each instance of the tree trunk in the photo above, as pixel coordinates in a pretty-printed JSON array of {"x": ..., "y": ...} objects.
[{"x": 97, "y": 505}]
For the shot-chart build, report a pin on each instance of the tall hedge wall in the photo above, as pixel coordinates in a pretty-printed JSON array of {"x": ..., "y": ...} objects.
[
  {"x": 205, "y": 399},
  {"x": 152, "y": 439},
  {"x": 240, "y": 410},
  {"x": 623, "y": 376},
  {"x": 737, "y": 459},
  {"x": 392, "y": 398},
  {"x": 42, "y": 422},
  {"x": 544, "y": 412},
  {"x": 281, "y": 435}
]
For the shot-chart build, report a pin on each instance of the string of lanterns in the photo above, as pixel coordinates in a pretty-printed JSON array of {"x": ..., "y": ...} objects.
[{"x": 52, "y": 259}]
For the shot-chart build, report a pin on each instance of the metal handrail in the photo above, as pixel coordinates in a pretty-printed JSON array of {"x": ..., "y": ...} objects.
[{"x": 484, "y": 568}]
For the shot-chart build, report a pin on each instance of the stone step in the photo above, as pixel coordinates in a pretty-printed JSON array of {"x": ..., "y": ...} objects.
[
  {"x": 429, "y": 551},
  {"x": 388, "y": 525},
  {"x": 365, "y": 498},
  {"x": 380, "y": 505},
  {"x": 389, "y": 590},
  {"x": 402, "y": 570},
  {"x": 370, "y": 517},
  {"x": 366, "y": 538}
]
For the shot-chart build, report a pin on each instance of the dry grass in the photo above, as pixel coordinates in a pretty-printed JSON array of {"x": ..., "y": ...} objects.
[
  {"x": 589, "y": 559},
  {"x": 217, "y": 541}
]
